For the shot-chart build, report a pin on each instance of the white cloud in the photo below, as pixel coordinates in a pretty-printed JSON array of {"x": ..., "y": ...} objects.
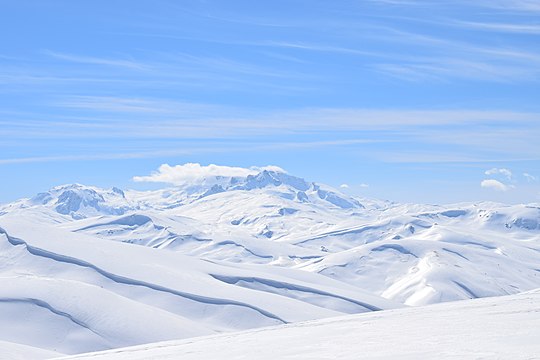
[
  {"x": 121, "y": 119},
  {"x": 501, "y": 171},
  {"x": 192, "y": 172},
  {"x": 520, "y": 5},
  {"x": 495, "y": 185},
  {"x": 274, "y": 168},
  {"x": 502, "y": 27},
  {"x": 346, "y": 186},
  {"x": 530, "y": 177},
  {"x": 96, "y": 60}
]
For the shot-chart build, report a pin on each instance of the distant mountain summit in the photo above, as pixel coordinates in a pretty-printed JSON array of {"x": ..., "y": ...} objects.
[
  {"x": 291, "y": 187},
  {"x": 81, "y": 201}
]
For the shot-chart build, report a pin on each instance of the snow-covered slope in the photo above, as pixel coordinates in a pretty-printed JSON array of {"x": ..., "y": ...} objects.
[
  {"x": 232, "y": 253},
  {"x": 14, "y": 351},
  {"x": 414, "y": 254},
  {"x": 494, "y": 328},
  {"x": 71, "y": 293},
  {"x": 421, "y": 257}
]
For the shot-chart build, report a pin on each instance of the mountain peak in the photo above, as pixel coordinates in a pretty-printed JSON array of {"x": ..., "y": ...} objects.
[
  {"x": 80, "y": 201},
  {"x": 274, "y": 178}
]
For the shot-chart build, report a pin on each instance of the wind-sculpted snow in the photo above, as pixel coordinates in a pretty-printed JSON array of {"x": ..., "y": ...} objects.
[
  {"x": 434, "y": 265},
  {"x": 134, "y": 282},
  {"x": 238, "y": 253},
  {"x": 72, "y": 293},
  {"x": 265, "y": 223},
  {"x": 300, "y": 292},
  {"x": 494, "y": 328}
]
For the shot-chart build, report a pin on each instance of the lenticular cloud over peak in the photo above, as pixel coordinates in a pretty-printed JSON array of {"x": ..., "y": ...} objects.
[{"x": 192, "y": 172}]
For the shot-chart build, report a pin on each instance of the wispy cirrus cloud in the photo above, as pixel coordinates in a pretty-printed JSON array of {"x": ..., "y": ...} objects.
[
  {"x": 326, "y": 48},
  {"x": 428, "y": 57},
  {"x": 128, "y": 117},
  {"x": 441, "y": 69},
  {"x": 182, "y": 149},
  {"x": 91, "y": 157},
  {"x": 439, "y": 58},
  {"x": 137, "y": 105},
  {"x": 152, "y": 70},
  {"x": 449, "y": 135},
  {"x": 91, "y": 60},
  {"x": 502, "y": 27},
  {"x": 518, "y": 5}
]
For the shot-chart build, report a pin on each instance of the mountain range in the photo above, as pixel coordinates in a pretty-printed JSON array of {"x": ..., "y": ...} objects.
[{"x": 86, "y": 269}]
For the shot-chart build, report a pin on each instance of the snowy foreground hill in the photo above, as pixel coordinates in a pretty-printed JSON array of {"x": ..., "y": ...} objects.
[
  {"x": 86, "y": 269},
  {"x": 494, "y": 328}
]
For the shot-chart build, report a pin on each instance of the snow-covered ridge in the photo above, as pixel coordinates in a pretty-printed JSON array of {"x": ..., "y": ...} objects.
[
  {"x": 70, "y": 293},
  {"x": 230, "y": 253},
  {"x": 80, "y": 201},
  {"x": 279, "y": 183},
  {"x": 414, "y": 254}
]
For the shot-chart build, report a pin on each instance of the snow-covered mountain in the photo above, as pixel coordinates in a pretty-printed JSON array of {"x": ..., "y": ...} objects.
[
  {"x": 79, "y": 201},
  {"x": 231, "y": 253}
]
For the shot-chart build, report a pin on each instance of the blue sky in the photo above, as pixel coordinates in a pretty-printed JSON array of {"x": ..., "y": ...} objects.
[{"x": 418, "y": 101}]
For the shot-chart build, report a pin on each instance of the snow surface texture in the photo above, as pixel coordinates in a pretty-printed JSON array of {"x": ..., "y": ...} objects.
[
  {"x": 494, "y": 328},
  {"x": 85, "y": 269},
  {"x": 72, "y": 293}
]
